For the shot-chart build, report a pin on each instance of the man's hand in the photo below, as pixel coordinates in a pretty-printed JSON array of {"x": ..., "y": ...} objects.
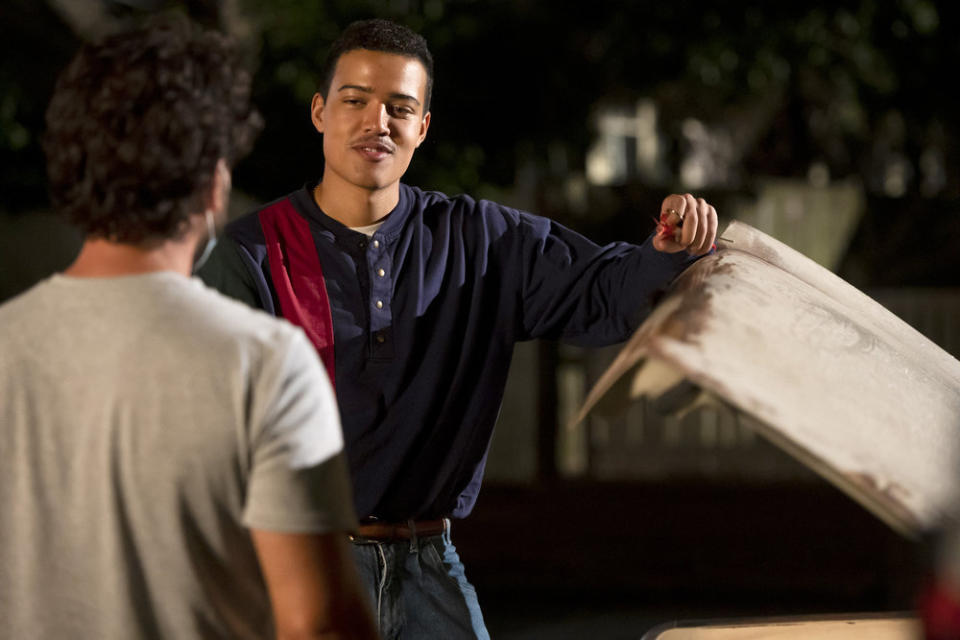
[{"x": 686, "y": 223}]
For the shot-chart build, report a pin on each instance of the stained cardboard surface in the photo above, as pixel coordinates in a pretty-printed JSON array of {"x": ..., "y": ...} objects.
[
  {"x": 834, "y": 628},
  {"x": 816, "y": 366}
]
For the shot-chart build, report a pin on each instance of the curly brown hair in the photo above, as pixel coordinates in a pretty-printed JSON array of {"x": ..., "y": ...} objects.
[{"x": 137, "y": 124}]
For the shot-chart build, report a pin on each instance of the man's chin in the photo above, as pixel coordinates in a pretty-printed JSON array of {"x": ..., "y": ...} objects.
[
  {"x": 377, "y": 182},
  {"x": 371, "y": 178}
]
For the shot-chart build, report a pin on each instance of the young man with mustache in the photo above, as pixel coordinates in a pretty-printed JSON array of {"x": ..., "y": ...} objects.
[{"x": 414, "y": 300}]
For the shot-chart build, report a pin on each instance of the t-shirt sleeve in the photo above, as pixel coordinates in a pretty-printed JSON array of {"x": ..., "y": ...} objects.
[
  {"x": 578, "y": 291},
  {"x": 298, "y": 480}
]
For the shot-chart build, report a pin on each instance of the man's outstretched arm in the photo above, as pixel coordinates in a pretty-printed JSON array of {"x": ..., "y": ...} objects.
[{"x": 314, "y": 588}]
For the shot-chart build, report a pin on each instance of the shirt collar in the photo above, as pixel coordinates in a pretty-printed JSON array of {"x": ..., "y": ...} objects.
[{"x": 392, "y": 224}]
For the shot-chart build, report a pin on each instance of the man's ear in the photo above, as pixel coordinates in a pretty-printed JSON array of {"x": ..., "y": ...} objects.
[
  {"x": 219, "y": 195},
  {"x": 424, "y": 125},
  {"x": 316, "y": 111}
]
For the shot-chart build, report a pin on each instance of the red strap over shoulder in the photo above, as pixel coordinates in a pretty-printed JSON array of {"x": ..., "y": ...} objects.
[{"x": 298, "y": 277}]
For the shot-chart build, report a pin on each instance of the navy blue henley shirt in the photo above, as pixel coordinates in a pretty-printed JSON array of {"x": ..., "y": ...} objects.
[{"x": 426, "y": 313}]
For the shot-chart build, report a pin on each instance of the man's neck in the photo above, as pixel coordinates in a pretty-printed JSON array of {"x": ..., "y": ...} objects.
[
  {"x": 355, "y": 206},
  {"x": 100, "y": 258}
]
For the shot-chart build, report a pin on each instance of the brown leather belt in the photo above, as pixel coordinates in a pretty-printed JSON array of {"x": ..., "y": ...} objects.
[{"x": 389, "y": 531}]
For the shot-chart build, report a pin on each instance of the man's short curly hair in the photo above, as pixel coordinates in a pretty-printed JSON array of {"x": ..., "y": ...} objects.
[
  {"x": 379, "y": 35},
  {"x": 137, "y": 124}
]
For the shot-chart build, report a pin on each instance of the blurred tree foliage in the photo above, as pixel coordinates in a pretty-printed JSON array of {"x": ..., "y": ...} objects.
[
  {"x": 34, "y": 45},
  {"x": 852, "y": 84}
]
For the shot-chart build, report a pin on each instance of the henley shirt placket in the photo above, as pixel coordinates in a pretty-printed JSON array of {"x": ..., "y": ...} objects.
[{"x": 381, "y": 296}]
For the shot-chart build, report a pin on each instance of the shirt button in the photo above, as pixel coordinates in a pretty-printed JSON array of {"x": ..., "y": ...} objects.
[
  {"x": 379, "y": 304},
  {"x": 362, "y": 244},
  {"x": 376, "y": 244},
  {"x": 381, "y": 272},
  {"x": 381, "y": 338}
]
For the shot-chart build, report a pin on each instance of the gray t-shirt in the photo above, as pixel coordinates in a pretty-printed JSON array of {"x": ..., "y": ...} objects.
[{"x": 145, "y": 421}]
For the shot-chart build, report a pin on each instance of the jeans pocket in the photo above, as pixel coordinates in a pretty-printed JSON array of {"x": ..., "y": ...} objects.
[
  {"x": 442, "y": 558},
  {"x": 451, "y": 592}
]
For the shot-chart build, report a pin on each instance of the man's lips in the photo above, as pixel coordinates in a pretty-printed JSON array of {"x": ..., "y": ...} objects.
[{"x": 373, "y": 150}]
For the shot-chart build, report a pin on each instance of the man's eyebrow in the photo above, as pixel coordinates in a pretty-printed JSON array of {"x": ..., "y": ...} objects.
[
  {"x": 357, "y": 87},
  {"x": 395, "y": 96},
  {"x": 403, "y": 96}
]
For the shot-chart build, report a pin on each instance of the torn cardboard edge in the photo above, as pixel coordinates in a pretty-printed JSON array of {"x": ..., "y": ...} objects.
[{"x": 650, "y": 355}]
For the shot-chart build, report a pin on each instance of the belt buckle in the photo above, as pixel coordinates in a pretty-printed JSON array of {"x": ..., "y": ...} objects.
[{"x": 358, "y": 538}]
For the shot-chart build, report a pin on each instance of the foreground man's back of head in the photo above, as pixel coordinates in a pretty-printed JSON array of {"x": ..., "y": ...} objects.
[{"x": 170, "y": 461}]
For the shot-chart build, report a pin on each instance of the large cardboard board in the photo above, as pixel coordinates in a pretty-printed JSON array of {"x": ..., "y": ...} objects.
[
  {"x": 868, "y": 627},
  {"x": 814, "y": 365}
]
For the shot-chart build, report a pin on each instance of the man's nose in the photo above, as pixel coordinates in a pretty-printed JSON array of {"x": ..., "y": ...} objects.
[{"x": 375, "y": 119}]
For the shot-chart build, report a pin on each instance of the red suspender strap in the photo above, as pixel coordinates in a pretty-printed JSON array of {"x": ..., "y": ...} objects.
[{"x": 298, "y": 277}]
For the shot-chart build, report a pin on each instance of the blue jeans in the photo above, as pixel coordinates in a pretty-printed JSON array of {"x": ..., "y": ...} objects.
[{"x": 418, "y": 589}]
